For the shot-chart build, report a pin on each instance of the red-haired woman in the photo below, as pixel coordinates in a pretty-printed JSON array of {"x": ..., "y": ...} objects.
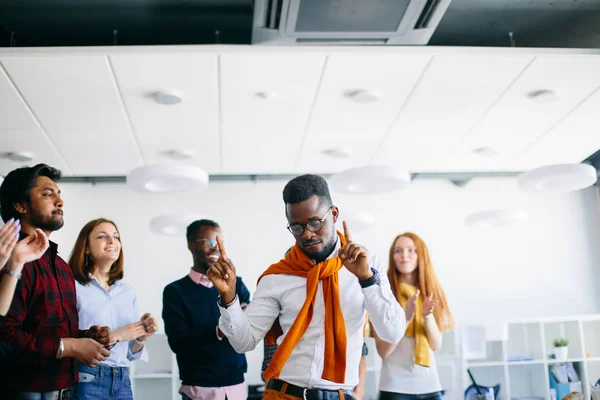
[{"x": 409, "y": 371}]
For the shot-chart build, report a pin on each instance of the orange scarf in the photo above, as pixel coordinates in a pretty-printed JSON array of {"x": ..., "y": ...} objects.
[{"x": 297, "y": 263}]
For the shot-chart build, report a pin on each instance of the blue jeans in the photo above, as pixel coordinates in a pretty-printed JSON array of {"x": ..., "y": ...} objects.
[
  {"x": 404, "y": 396},
  {"x": 102, "y": 382}
]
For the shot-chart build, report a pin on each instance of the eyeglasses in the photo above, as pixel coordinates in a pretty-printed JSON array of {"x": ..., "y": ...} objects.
[
  {"x": 312, "y": 226},
  {"x": 210, "y": 243}
]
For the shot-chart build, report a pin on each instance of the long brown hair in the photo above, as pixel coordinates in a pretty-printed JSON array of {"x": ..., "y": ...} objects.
[
  {"x": 428, "y": 282},
  {"x": 77, "y": 261}
]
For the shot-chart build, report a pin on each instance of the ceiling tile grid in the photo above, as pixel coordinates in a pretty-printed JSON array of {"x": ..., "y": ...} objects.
[{"x": 276, "y": 110}]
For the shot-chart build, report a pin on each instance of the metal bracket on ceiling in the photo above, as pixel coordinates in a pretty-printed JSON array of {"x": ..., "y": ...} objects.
[
  {"x": 460, "y": 183},
  {"x": 459, "y": 179}
]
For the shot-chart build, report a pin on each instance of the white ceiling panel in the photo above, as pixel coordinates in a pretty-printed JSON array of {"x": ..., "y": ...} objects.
[
  {"x": 77, "y": 102},
  {"x": 338, "y": 121},
  {"x": 263, "y": 135},
  {"x": 455, "y": 91},
  {"x": 34, "y": 142},
  {"x": 572, "y": 141},
  {"x": 14, "y": 113},
  {"x": 192, "y": 124},
  {"x": 88, "y": 110},
  {"x": 517, "y": 121}
]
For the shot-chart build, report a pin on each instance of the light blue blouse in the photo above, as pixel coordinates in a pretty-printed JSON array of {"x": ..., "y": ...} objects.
[{"x": 114, "y": 308}]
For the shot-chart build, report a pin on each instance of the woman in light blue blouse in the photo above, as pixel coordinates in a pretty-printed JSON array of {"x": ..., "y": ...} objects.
[{"x": 104, "y": 299}]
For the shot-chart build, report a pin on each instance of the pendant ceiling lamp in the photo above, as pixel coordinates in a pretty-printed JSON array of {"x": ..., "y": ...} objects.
[
  {"x": 168, "y": 178},
  {"x": 370, "y": 180},
  {"x": 560, "y": 178}
]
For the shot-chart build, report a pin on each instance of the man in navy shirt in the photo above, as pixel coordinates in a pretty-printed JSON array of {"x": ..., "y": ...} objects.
[{"x": 208, "y": 366}]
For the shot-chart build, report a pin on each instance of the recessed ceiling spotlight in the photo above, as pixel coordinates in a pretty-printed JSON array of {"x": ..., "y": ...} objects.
[
  {"x": 180, "y": 154},
  {"x": 362, "y": 96},
  {"x": 166, "y": 98},
  {"x": 485, "y": 152},
  {"x": 543, "y": 96},
  {"x": 268, "y": 95},
  {"x": 19, "y": 156},
  {"x": 338, "y": 153}
]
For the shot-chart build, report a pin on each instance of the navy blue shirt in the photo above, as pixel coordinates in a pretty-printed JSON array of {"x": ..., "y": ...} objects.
[{"x": 191, "y": 315}]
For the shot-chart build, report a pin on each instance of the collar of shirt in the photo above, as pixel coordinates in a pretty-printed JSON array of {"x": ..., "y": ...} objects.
[
  {"x": 96, "y": 282},
  {"x": 200, "y": 279}
]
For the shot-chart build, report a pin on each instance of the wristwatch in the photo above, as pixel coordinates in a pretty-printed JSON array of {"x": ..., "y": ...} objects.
[{"x": 374, "y": 280}]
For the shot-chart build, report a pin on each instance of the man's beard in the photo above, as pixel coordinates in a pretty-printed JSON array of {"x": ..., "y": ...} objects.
[
  {"x": 49, "y": 224},
  {"x": 201, "y": 262},
  {"x": 327, "y": 250}
]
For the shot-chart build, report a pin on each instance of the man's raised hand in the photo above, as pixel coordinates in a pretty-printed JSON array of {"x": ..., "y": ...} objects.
[
  {"x": 222, "y": 274},
  {"x": 355, "y": 257}
]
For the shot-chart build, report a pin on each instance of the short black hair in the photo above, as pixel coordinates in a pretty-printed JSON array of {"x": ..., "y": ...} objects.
[
  {"x": 17, "y": 184},
  {"x": 192, "y": 228},
  {"x": 304, "y": 187}
]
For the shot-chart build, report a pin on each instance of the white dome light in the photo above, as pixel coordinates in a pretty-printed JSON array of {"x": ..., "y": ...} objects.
[
  {"x": 343, "y": 152},
  {"x": 559, "y": 178},
  {"x": 543, "y": 96},
  {"x": 180, "y": 154},
  {"x": 168, "y": 178},
  {"x": 357, "y": 221},
  {"x": 495, "y": 218},
  {"x": 172, "y": 225},
  {"x": 20, "y": 156},
  {"x": 362, "y": 96},
  {"x": 268, "y": 95},
  {"x": 370, "y": 180},
  {"x": 167, "y": 98}
]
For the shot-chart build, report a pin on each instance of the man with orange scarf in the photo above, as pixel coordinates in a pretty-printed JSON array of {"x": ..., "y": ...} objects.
[{"x": 314, "y": 301}]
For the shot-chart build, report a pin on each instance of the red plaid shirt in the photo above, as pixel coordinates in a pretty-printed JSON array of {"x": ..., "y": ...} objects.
[{"x": 43, "y": 310}]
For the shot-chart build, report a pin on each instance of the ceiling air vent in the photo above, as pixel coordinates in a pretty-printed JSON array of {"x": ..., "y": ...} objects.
[{"x": 346, "y": 22}]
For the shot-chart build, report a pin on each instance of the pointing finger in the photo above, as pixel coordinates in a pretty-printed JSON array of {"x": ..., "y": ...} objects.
[
  {"x": 347, "y": 232},
  {"x": 221, "y": 247}
]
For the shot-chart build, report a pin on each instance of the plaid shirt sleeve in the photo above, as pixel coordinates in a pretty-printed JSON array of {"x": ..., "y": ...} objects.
[
  {"x": 33, "y": 349},
  {"x": 44, "y": 309}
]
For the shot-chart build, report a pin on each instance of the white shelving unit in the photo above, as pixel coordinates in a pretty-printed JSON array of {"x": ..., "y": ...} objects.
[
  {"x": 157, "y": 379},
  {"x": 533, "y": 339},
  {"x": 517, "y": 379}
]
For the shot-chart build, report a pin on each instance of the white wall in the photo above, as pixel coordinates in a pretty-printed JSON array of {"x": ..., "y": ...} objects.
[{"x": 549, "y": 266}]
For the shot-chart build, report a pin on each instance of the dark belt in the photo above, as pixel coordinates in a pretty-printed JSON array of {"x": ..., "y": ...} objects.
[
  {"x": 63, "y": 394},
  {"x": 305, "y": 393}
]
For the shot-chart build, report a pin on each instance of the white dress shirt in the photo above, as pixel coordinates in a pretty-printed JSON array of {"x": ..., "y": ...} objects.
[{"x": 283, "y": 296}]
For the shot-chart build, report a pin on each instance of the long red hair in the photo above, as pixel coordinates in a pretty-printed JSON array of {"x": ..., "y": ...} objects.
[{"x": 427, "y": 281}]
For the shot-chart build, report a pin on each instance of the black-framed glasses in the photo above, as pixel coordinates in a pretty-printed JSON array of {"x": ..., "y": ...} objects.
[
  {"x": 210, "y": 243},
  {"x": 313, "y": 226}
]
